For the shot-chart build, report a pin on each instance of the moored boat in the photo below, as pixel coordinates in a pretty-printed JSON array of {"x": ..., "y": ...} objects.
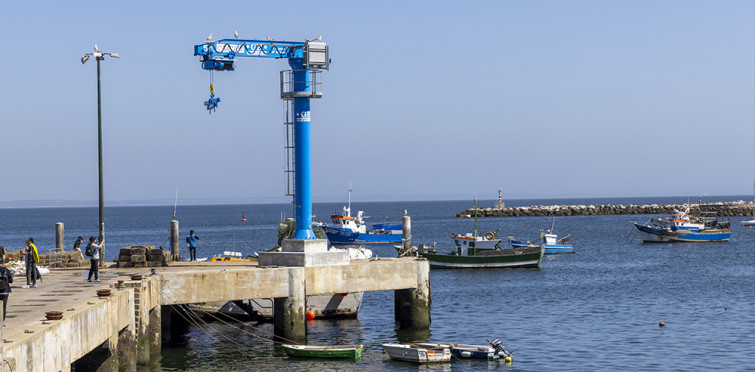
[
  {"x": 489, "y": 352},
  {"x": 483, "y": 252},
  {"x": 527, "y": 257},
  {"x": 412, "y": 353},
  {"x": 550, "y": 242},
  {"x": 329, "y": 352},
  {"x": 348, "y": 229},
  {"x": 683, "y": 226}
]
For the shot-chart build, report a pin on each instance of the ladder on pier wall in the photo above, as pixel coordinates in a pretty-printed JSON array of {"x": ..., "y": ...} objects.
[{"x": 288, "y": 147}]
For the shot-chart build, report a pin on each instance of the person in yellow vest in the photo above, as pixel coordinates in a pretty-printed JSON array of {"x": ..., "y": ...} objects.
[{"x": 32, "y": 259}]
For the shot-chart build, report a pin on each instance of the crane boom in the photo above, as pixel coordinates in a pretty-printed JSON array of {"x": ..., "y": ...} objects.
[{"x": 219, "y": 55}]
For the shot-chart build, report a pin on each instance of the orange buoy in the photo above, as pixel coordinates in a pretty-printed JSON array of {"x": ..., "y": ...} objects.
[
  {"x": 310, "y": 315},
  {"x": 661, "y": 324},
  {"x": 243, "y": 216}
]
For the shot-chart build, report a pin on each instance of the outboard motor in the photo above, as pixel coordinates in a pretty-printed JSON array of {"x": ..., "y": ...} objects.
[{"x": 499, "y": 349}]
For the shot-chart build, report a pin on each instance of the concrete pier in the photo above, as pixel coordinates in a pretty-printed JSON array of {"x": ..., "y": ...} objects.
[{"x": 123, "y": 330}]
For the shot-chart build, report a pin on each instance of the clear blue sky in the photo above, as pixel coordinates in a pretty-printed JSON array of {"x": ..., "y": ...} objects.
[{"x": 424, "y": 99}]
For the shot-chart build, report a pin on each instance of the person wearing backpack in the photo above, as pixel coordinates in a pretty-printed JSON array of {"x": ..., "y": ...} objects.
[
  {"x": 93, "y": 251},
  {"x": 6, "y": 277},
  {"x": 191, "y": 239},
  {"x": 32, "y": 259}
]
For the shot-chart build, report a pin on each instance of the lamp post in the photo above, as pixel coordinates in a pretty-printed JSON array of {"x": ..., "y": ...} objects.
[{"x": 99, "y": 56}]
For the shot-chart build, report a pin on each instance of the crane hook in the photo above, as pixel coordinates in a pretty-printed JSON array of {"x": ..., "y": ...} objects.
[{"x": 212, "y": 103}]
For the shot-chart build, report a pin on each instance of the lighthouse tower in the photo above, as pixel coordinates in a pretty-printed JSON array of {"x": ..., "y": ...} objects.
[{"x": 500, "y": 204}]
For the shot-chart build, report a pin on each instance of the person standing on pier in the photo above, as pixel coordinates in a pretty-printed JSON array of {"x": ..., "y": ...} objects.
[
  {"x": 2, "y": 254},
  {"x": 192, "y": 240},
  {"x": 93, "y": 251},
  {"x": 6, "y": 277},
  {"x": 32, "y": 259}
]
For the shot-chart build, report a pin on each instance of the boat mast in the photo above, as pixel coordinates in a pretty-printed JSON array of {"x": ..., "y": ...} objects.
[{"x": 475, "y": 218}]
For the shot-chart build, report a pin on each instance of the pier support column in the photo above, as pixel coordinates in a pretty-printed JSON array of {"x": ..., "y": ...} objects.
[
  {"x": 59, "y": 242},
  {"x": 412, "y": 306},
  {"x": 407, "y": 233},
  {"x": 289, "y": 322},
  {"x": 154, "y": 330},
  {"x": 174, "y": 241},
  {"x": 126, "y": 350}
]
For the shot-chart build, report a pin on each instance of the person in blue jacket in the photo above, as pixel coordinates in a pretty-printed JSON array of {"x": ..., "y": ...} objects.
[{"x": 191, "y": 239}]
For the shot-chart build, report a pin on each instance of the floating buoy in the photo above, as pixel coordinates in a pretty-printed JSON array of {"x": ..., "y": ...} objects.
[
  {"x": 310, "y": 315},
  {"x": 661, "y": 324},
  {"x": 507, "y": 359},
  {"x": 243, "y": 216}
]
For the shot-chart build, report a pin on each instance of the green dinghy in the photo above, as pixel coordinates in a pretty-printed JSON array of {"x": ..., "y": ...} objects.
[{"x": 330, "y": 352}]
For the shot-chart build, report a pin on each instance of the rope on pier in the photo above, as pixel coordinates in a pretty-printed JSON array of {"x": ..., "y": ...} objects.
[{"x": 194, "y": 313}]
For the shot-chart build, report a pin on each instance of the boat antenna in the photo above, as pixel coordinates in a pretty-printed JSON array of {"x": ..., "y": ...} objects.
[
  {"x": 175, "y": 204},
  {"x": 553, "y": 225}
]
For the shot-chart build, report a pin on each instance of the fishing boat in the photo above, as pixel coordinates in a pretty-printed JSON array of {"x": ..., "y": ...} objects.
[
  {"x": 550, "y": 242},
  {"x": 489, "y": 352},
  {"x": 413, "y": 353},
  {"x": 329, "y": 352},
  {"x": 348, "y": 229},
  {"x": 683, "y": 226},
  {"x": 483, "y": 253}
]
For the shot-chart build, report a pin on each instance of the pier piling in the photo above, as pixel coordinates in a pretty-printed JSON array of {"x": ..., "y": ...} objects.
[
  {"x": 174, "y": 241},
  {"x": 59, "y": 243},
  {"x": 289, "y": 312},
  {"x": 412, "y": 306}
]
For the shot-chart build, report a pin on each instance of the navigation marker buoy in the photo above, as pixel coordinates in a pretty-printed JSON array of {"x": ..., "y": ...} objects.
[
  {"x": 661, "y": 324},
  {"x": 243, "y": 216},
  {"x": 310, "y": 315}
]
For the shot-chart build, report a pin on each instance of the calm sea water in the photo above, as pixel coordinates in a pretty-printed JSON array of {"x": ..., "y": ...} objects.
[{"x": 597, "y": 309}]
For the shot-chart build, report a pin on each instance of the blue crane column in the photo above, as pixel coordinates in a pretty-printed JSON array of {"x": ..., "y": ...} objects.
[{"x": 302, "y": 152}]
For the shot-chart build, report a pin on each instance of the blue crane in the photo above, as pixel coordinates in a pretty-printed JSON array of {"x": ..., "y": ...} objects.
[{"x": 306, "y": 59}]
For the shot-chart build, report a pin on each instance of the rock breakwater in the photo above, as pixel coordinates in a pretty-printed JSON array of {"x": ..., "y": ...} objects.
[{"x": 724, "y": 209}]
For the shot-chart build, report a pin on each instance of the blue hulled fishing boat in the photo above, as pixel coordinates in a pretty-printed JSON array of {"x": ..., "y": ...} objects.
[
  {"x": 685, "y": 227},
  {"x": 348, "y": 229}
]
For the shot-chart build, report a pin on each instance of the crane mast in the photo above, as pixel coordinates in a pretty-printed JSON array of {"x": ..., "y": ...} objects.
[{"x": 299, "y": 85}]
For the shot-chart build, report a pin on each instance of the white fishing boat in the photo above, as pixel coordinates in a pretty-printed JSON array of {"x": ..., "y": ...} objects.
[{"x": 412, "y": 353}]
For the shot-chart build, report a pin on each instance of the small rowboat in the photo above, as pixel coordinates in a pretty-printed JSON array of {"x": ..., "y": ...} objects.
[
  {"x": 412, "y": 353},
  {"x": 330, "y": 352}
]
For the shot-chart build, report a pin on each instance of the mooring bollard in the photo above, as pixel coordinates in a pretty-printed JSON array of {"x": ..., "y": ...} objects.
[
  {"x": 174, "y": 241},
  {"x": 406, "y": 238},
  {"x": 59, "y": 244}
]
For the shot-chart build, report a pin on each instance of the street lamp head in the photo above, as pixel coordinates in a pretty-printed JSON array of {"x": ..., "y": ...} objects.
[
  {"x": 84, "y": 59},
  {"x": 114, "y": 55}
]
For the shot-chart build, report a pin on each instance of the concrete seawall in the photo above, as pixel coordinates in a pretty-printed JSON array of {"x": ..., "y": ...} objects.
[{"x": 728, "y": 209}]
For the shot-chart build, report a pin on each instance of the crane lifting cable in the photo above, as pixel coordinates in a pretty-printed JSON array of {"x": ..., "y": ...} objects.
[{"x": 212, "y": 103}]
